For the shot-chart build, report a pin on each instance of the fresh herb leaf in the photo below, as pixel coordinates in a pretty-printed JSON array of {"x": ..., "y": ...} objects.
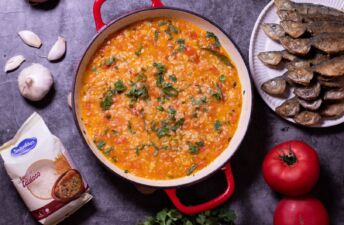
[
  {"x": 178, "y": 124},
  {"x": 106, "y": 102},
  {"x": 130, "y": 127},
  {"x": 173, "y": 78},
  {"x": 181, "y": 43},
  {"x": 156, "y": 148},
  {"x": 217, "y": 43},
  {"x": 110, "y": 61},
  {"x": 172, "y": 28},
  {"x": 141, "y": 77},
  {"x": 170, "y": 91},
  {"x": 162, "y": 23},
  {"x": 169, "y": 34},
  {"x": 219, "y": 216},
  {"x": 156, "y": 35},
  {"x": 108, "y": 151},
  {"x": 217, "y": 125},
  {"x": 220, "y": 56},
  {"x": 100, "y": 145},
  {"x": 222, "y": 78},
  {"x": 119, "y": 87},
  {"x": 191, "y": 169},
  {"x": 171, "y": 110},
  {"x": 161, "y": 70},
  {"x": 139, "y": 51},
  {"x": 160, "y": 108},
  {"x": 163, "y": 131},
  {"x": 218, "y": 93},
  {"x": 195, "y": 147},
  {"x": 138, "y": 92},
  {"x": 139, "y": 148}
]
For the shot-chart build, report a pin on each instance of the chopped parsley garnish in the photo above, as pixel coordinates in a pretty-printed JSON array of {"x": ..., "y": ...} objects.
[
  {"x": 130, "y": 127},
  {"x": 163, "y": 131},
  {"x": 160, "y": 108},
  {"x": 137, "y": 92},
  {"x": 218, "y": 93},
  {"x": 100, "y": 145},
  {"x": 179, "y": 123},
  {"x": 171, "y": 110},
  {"x": 166, "y": 87},
  {"x": 106, "y": 102},
  {"x": 201, "y": 101},
  {"x": 170, "y": 91},
  {"x": 119, "y": 87},
  {"x": 217, "y": 125},
  {"x": 156, "y": 149},
  {"x": 181, "y": 43},
  {"x": 110, "y": 61},
  {"x": 191, "y": 169},
  {"x": 173, "y": 78},
  {"x": 170, "y": 36},
  {"x": 220, "y": 56},
  {"x": 217, "y": 43},
  {"x": 156, "y": 35},
  {"x": 195, "y": 147},
  {"x": 139, "y": 51},
  {"x": 172, "y": 28},
  {"x": 108, "y": 150},
  {"x": 222, "y": 78},
  {"x": 162, "y": 23},
  {"x": 139, "y": 148}
]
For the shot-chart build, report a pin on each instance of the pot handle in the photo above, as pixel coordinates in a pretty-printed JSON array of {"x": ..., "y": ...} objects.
[
  {"x": 189, "y": 210},
  {"x": 98, "y": 16}
]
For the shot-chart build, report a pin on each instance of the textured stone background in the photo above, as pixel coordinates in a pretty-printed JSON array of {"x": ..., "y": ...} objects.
[{"x": 117, "y": 201}]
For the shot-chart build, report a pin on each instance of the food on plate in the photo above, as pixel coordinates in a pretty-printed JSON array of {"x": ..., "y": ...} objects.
[
  {"x": 39, "y": 167},
  {"x": 296, "y": 46},
  {"x": 334, "y": 94},
  {"x": 308, "y": 93},
  {"x": 310, "y": 105},
  {"x": 289, "y": 108},
  {"x": 314, "y": 36},
  {"x": 300, "y": 75},
  {"x": 333, "y": 110},
  {"x": 331, "y": 68},
  {"x": 291, "y": 168},
  {"x": 272, "y": 30},
  {"x": 308, "y": 118},
  {"x": 331, "y": 43},
  {"x": 301, "y": 210},
  {"x": 30, "y": 38},
  {"x": 275, "y": 86},
  {"x": 34, "y": 82},
  {"x": 13, "y": 63},
  {"x": 68, "y": 186},
  {"x": 274, "y": 58},
  {"x": 293, "y": 29},
  {"x": 161, "y": 99}
]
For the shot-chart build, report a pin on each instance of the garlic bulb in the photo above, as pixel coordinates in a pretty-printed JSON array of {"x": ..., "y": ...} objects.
[
  {"x": 34, "y": 82},
  {"x": 13, "y": 63},
  {"x": 30, "y": 38},
  {"x": 58, "y": 49}
]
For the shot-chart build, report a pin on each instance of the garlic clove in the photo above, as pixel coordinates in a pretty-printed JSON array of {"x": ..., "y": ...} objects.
[
  {"x": 58, "y": 49},
  {"x": 13, "y": 63},
  {"x": 34, "y": 82},
  {"x": 69, "y": 98},
  {"x": 30, "y": 38}
]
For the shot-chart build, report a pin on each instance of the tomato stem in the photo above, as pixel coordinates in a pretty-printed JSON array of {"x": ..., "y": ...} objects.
[{"x": 289, "y": 158}]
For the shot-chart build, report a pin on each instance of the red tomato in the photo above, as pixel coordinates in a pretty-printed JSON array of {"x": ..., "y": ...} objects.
[
  {"x": 291, "y": 168},
  {"x": 300, "y": 211}
]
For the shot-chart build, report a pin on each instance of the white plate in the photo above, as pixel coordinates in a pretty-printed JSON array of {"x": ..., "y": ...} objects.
[{"x": 261, "y": 43}]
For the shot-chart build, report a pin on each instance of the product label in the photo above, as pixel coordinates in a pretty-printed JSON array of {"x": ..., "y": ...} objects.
[{"x": 24, "y": 147}]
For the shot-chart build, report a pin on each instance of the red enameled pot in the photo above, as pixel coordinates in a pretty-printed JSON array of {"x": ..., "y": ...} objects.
[{"x": 221, "y": 162}]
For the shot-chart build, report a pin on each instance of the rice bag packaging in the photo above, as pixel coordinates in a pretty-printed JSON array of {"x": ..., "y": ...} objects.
[{"x": 43, "y": 173}]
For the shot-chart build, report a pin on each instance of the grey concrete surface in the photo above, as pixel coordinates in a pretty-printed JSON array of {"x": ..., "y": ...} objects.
[{"x": 115, "y": 200}]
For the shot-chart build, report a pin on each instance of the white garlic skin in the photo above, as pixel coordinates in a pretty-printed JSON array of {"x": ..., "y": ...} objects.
[
  {"x": 34, "y": 82},
  {"x": 58, "y": 50},
  {"x": 13, "y": 63},
  {"x": 30, "y": 38}
]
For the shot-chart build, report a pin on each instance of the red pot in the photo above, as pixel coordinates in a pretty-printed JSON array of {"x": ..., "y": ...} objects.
[{"x": 221, "y": 162}]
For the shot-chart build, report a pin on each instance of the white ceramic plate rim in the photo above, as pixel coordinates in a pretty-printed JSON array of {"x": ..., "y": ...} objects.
[
  {"x": 236, "y": 58},
  {"x": 252, "y": 53}
]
